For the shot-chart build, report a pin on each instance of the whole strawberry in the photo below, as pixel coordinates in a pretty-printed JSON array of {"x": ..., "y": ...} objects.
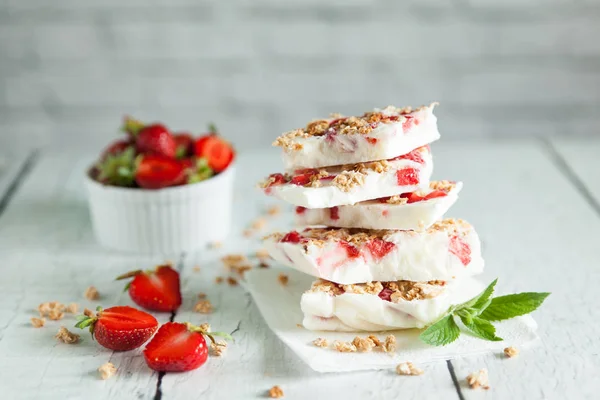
[
  {"x": 156, "y": 290},
  {"x": 115, "y": 148},
  {"x": 178, "y": 347},
  {"x": 119, "y": 328},
  {"x": 185, "y": 145},
  {"x": 217, "y": 152},
  {"x": 156, "y": 139}
]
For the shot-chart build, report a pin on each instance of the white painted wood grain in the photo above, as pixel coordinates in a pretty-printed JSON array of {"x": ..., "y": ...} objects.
[
  {"x": 10, "y": 166},
  {"x": 583, "y": 156},
  {"x": 48, "y": 253}
]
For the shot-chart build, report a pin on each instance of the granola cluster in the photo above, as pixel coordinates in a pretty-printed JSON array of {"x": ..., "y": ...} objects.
[
  {"x": 408, "y": 368},
  {"x": 451, "y": 225},
  {"x": 444, "y": 186},
  {"x": 360, "y": 345},
  {"x": 203, "y": 307},
  {"x": 107, "y": 370},
  {"x": 66, "y": 336},
  {"x": 511, "y": 352},
  {"x": 397, "y": 200},
  {"x": 346, "y": 180},
  {"x": 275, "y": 392},
  {"x": 236, "y": 263},
  {"x": 54, "y": 310},
  {"x": 479, "y": 379},
  {"x": 400, "y": 290}
]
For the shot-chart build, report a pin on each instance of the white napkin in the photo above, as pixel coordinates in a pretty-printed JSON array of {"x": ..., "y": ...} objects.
[{"x": 280, "y": 307}]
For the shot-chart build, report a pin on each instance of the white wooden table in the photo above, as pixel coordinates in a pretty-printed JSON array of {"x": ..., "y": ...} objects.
[{"x": 534, "y": 203}]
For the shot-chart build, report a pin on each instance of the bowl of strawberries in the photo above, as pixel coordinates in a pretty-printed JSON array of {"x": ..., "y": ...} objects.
[{"x": 160, "y": 192}]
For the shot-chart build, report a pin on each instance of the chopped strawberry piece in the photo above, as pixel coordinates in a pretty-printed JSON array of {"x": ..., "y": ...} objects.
[
  {"x": 409, "y": 122},
  {"x": 120, "y": 328},
  {"x": 379, "y": 248},
  {"x": 460, "y": 249},
  {"x": 351, "y": 251},
  {"x": 291, "y": 237},
  {"x": 393, "y": 118},
  {"x": 300, "y": 210},
  {"x": 217, "y": 152},
  {"x": 156, "y": 139},
  {"x": 407, "y": 177},
  {"x": 386, "y": 294},
  {"x": 155, "y": 172},
  {"x": 278, "y": 179},
  {"x": 413, "y": 197},
  {"x": 383, "y": 199},
  {"x": 436, "y": 194},
  {"x": 334, "y": 213},
  {"x": 301, "y": 180},
  {"x": 371, "y": 140}
]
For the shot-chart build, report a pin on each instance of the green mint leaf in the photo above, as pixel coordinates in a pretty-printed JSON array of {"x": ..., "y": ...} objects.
[
  {"x": 479, "y": 300},
  {"x": 513, "y": 305},
  {"x": 481, "y": 328},
  {"x": 441, "y": 333}
]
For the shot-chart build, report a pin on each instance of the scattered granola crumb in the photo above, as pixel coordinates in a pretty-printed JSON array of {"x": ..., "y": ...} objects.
[
  {"x": 205, "y": 327},
  {"x": 219, "y": 279},
  {"x": 262, "y": 253},
  {"x": 91, "y": 293},
  {"x": 72, "y": 308},
  {"x": 283, "y": 279},
  {"x": 216, "y": 245},
  {"x": 55, "y": 314},
  {"x": 232, "y": 281},
  {"x": 258, "y": 223},
  {"x": 479, "y": 379},
  {"x": 408, "y": 368},
  {"x": 201, "y": 295},
  {"x": 300, "y": 325},
  {"x": 275, "y": 392},
  {"x": 390, "y": 344},
  {"x": 248, "y": 232},
  {"x": 88, "y": 313},
  {"x": 218, "y": 348},
  {"x": 274, "y": 210},
  {"x": 234, "y": 260},
  {"x": 320, "y": 342},
  {"x": 38, "y": 322},
  {"x": 203, "y": 307},
  {"x": 511, "y": 352},
  {"x": 344, "y": 347},
  {"x": 363, "y": 345},
  {"x": 44, "y": 309},
  {"x": 375, "y": 340},
  {"x": 196, "y": 269},
  {"x": 263, "y": 265},
  {"x": 107, "y": 370},
  {"x": 65, "y": 336}
]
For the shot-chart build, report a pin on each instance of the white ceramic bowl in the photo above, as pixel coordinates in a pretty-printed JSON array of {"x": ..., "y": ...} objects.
[{"x": 163, "y": 221}]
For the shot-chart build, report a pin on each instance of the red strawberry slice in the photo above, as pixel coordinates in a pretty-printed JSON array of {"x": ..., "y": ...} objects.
[
  {"x": 184, "y": 144},
  {"x": 156, "y": 290},
  {"x": 386, "y": 294},
  {"x": 413, "y": 197},
  {"x": 119, "y": 328},
  {"x": 156, "y": 139},
  {"x": 351, "y": 251},
  {"x": 291, "y": 237},
  {"x": 156, "y": 172},
  {"x": 435, "y": 194},
  {"x": 178, "y": 347},
  {"x": 300, "y": 210},
  {"x": 334, "y": 213},
  {"x": 218, "y": 153},
  {"x": 407, "y": 177},
  {"x": 301, "y": 180},
  {"x": 115, "y": 147},
  {"x": 460, "y": 249},
  {"x": 379, "y": 248}
]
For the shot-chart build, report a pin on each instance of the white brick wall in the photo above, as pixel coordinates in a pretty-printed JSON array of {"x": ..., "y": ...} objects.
[{"x": 69, "y": 69}]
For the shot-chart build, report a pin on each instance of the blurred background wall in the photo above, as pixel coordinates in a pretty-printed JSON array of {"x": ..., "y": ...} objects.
[{"x": 69, "y": 69}]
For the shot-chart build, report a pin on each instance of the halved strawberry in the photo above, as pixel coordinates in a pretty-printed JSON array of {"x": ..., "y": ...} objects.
[
  {"x": 156, "y": 139},
  {"x": 184, "y": 144},
  {"x": 178, "y": 347},
  {"x": 156, "y": 290},
  {"x": 217, "y": 152},
  {"x": 119, "y": 328},
  {"x": 155, "y": 172}
]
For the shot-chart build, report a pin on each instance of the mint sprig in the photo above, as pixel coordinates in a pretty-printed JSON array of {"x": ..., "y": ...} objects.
[{"x": 478, "y": 313}]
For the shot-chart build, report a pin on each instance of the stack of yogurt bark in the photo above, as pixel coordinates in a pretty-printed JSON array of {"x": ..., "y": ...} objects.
[{"x": 371, "y": 228}]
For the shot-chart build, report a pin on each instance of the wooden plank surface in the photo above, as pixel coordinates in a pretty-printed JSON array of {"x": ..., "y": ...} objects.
[{"x": 530, "y": 239}]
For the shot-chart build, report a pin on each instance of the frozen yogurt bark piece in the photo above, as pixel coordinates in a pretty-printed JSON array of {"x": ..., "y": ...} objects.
[
  {"x": 379, "y": 306},
  {"x": 350, "y": 184},
  {"x": 376, "y": 135},
  {"x": 408, "y": 211},
  {"x": 448, "y": 249}
]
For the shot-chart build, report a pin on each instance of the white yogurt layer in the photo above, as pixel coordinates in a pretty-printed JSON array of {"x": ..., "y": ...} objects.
[
  {"x": 402, "y": 175},
  {"x": 375, "y": 214},
  {"x": 386, "y": 140},
  {"x": 368, "y": 312},
  {"x": 449, "y": 249}
]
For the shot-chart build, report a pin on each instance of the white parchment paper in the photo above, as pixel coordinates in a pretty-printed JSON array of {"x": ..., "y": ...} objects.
[{"x": 280, "y": 307}]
